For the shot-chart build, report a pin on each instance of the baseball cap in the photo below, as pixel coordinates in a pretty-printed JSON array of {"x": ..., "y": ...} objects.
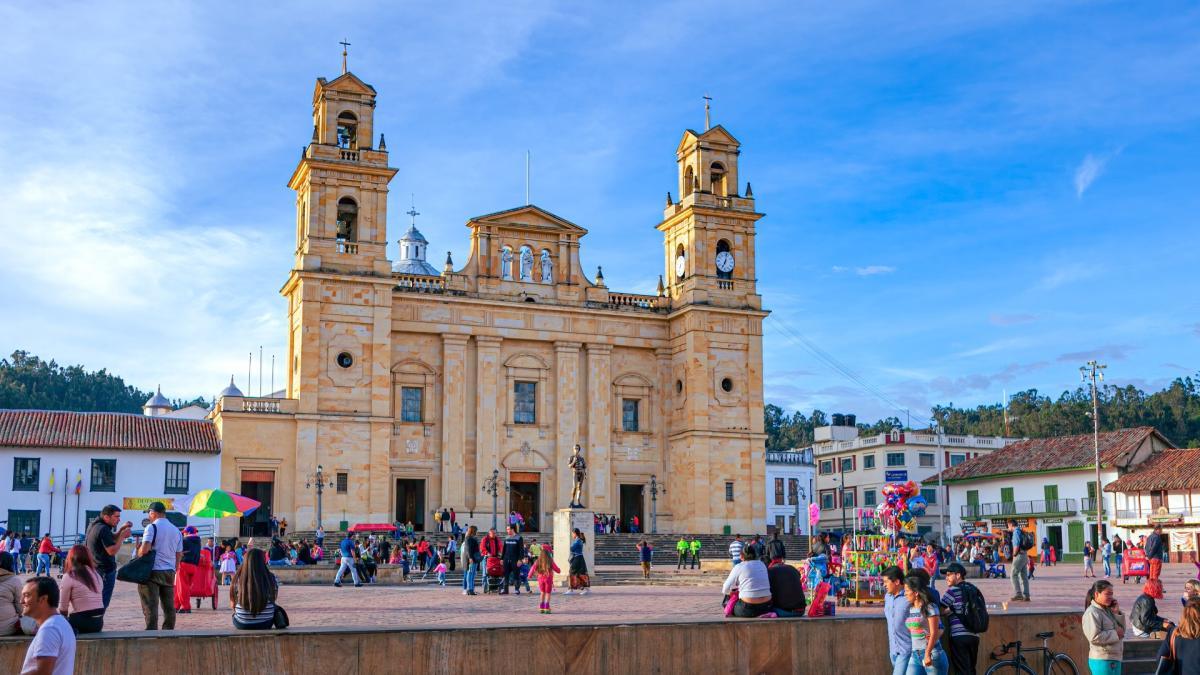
[
  {"x": 157, "y": 507},
  {"x": 954, "y": 568}
]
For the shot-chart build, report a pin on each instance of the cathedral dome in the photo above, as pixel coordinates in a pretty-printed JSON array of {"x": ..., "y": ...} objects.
[
  {"x": 157, "y": 405},
  {"x": 412, "y": 254},
  {"x": 231, "y": 390}
]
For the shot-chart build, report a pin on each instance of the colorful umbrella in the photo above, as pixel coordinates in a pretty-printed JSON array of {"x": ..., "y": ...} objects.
[{"x": 221, "y": 504}]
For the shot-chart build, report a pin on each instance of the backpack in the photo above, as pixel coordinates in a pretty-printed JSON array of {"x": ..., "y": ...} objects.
[
  {"x": 1026, "y": 541},
  {"x": 974, "y": 616}
]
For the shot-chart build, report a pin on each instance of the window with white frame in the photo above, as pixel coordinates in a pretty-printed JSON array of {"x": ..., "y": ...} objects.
[
  {"x": 925, "y": 459},
  {"x": 895, "y": 459}
]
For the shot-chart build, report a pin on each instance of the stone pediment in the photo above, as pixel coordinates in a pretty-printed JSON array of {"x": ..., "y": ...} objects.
[
  {"x": 717, "y": 135},
  {"x": 528, "y": 217},
  {"x": 346, "y": 82}
]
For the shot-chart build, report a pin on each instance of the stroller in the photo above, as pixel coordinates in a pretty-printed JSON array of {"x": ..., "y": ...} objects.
[{"x": 493, "y": 577}]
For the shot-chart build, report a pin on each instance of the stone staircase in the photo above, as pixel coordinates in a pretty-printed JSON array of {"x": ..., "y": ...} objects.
[{"x": 1141, "y": 656}]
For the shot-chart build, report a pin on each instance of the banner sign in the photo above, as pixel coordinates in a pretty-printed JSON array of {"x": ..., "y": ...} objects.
[
  {"x": 896, "y": 476},
  {"x": 143, "y": 503}
]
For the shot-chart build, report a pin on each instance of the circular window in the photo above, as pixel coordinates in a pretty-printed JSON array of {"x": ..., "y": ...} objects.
[
  {"x": 678, "y": 386},
  {"x": 345, "y": 360},
  {"x": 727, "y": 384}
]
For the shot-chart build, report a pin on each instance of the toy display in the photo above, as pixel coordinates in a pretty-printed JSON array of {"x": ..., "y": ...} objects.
[
  {"x": 902, "y": 505},
  {"x": 864, "y": 566}
]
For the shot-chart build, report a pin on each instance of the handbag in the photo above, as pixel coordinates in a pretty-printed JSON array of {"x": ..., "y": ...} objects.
[
  {"x": 280, "y": 619},
  {"x": 138, "y": 570}
]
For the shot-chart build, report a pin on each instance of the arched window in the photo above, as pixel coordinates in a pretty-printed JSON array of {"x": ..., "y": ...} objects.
[
  {"x": 347, "y": 131},
  {"x": 716, "y": 178},
  {"x": 347, "y": 220},
  {"x": 689, "y": 177}
]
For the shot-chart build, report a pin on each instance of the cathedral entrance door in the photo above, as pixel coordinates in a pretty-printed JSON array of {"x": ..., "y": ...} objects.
[
  {"x": 524, "y": 497},
  {"x": 260, "y": 486},
  {"x": 410, "y": 502},
  {"x": 631, "y": 505}
]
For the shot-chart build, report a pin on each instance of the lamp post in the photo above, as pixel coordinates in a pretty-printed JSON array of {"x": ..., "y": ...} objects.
[
  {"x": 943, "y": 502},
  {"x": 492, "y": 486},
  {"x": 318, "y": 480},
  {"x": 654, "y": 503},
  {"x": 841, "y": 478},
  {"x": 799, "y": 495}
]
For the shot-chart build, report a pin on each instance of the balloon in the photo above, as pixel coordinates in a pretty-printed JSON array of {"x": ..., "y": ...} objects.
[
  {"x": 904, "y": 516},
  {"x": 888, "y": 488},
  {"x": 911, "y": 488},
  {"x": 814, "y": 513},
  {"x": 917, "y": 505},
  {"x": 910, "y": 526}
]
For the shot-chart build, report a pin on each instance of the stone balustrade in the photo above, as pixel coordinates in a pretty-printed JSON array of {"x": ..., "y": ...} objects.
[{"x": 417, "y": 283}]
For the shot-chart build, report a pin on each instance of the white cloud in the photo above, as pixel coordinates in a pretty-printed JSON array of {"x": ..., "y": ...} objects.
[
  {"x": 1091, "y": 168},
  {"x": 1067, "y": 273},
  {"x": 864, "y": 271}
]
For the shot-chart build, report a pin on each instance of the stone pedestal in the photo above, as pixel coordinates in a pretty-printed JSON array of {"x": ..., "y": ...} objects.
[{"x": 565, "y": 522}]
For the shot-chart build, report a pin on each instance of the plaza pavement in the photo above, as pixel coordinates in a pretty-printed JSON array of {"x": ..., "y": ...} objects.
[{"x": 1055, "y": 588}]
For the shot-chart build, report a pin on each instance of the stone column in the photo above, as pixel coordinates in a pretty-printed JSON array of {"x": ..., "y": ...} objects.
[
  {"x": 490, "y": 403},
  {"x": 453, "y": 421},
  {"x": 598, "y": 450},
  {"x": 380, "y": 428},
  {"x": 566, "y": 435},
  {"x": 662, "y": 414}
]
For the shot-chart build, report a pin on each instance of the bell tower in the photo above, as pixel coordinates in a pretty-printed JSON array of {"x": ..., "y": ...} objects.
[
  {"x": 341, "y": 183},
  {"x": 708, "y": 233},
  {"x": 715, "y": 424}
]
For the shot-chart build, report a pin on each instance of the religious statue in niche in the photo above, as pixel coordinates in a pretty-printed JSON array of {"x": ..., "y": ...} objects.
[
  {"x": 526, "y": 264},
  {"x": 506, "y": 261},
  {"x": 577, "y": 465},
  {"x": 547, "y": 268}
]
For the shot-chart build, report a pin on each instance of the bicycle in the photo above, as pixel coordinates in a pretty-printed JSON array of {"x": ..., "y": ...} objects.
[{"x": 1053, "y": 663}]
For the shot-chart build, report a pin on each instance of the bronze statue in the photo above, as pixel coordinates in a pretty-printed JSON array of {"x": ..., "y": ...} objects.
[{"x": 577, "y": 464}]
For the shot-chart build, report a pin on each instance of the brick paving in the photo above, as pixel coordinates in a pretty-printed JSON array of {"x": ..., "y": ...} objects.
[{"x": 1055, "y": 588}]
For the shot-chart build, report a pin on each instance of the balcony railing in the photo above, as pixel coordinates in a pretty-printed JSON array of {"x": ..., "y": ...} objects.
[
  {"x": 344, "y": 246},
  {"x": 1088, "y": 505},
  {"x": 911, "y": 438},
  {"x": 1018, "y": 508},
  {"x": 1145, "y": 515},
  {"x": 417, "y": 283},
  {"x": 638, "y": 301}
]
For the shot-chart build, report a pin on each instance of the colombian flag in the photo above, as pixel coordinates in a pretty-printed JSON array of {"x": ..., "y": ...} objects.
[{"x": 79, "y": 482}]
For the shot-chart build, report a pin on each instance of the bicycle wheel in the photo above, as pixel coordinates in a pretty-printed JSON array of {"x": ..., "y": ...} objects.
[
  {"x": 1010, "y": 667},
  {"x": 1063, "y": 665}
]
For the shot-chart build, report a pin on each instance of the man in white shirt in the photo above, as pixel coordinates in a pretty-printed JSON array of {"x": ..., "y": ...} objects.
[
  {"x": 52, "y": 651},
  {"x": 162, "y": 537}
]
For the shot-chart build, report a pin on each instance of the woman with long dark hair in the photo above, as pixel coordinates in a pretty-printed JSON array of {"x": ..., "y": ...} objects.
[
  {"x": 253, "y": 593},
  {"x": 577, "y": 568},
  {"x": 1104, "y": 628},
  {"x": 81, "y": 592},
  {"x": 924, "y": 628}
]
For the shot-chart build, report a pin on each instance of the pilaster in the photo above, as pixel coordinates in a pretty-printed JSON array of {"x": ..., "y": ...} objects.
[
  {"x": 566, "y": 374},
  {"x": 599, "y": 446},
  {"x": 454, "y": 414},
  {"x": 489, "y": 403}
]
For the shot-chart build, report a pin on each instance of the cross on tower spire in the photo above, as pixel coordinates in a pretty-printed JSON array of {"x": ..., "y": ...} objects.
[
  {"x": 344, "y": 44},
  {"x": 707, "y": 120},
  {"x": 412, "y": 210}
]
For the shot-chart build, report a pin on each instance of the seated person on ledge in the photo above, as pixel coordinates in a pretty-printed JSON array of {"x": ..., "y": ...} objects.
[
  {"x": 1144, "y": 617},
  {"x": 787, "y": 590},
  {"x": 749, "y": 578}
]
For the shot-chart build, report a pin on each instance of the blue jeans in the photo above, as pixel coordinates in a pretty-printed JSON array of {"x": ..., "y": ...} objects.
[
  {"x": 1107, "y": 567},
  {"x": 916, "y": 663},
  {"x": 43, "y": 561},
  {"x": 899, "y": 663},
  {"x": 110, "y": 581},
  {"x": 469, "y": 576}
]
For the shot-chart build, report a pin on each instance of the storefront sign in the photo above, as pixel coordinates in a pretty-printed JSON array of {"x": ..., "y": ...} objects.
[
  {"x": 1163, "y": 517},
  {"x": 896, "y": 476},
  {"x": 143, "y": 503},
  {"x": 1053, "y": 521}
]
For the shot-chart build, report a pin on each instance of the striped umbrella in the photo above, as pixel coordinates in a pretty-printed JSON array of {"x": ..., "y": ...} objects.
[{"x": 221, "y": 504}]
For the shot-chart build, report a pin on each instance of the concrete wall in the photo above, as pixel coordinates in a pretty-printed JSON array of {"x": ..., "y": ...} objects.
[{"x": 724, "y": 646}]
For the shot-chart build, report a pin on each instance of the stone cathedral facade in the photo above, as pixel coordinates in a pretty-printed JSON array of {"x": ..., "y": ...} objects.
[{"x": 410, "y": 387}]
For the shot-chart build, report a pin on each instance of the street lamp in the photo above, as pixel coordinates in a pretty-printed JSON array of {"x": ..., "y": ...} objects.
[
  {"x": 841, "y": 478},
  {"x": 654, "y": 503},
  {"x": 799, "y": 495},
  {"x": 492, "y": 486},
  {"x": 943, "y": 501},
  {"x": 318, "y": 480}
]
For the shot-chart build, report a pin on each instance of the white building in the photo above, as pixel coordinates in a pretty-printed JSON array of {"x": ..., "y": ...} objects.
[
  {"x": 1049, "y": 485},
  {"x": 1165, "y": 491},
  {"x": 851, "y": 471},
  {"x": 113, "y": 458},
  {"x": 790, "y": 484}
]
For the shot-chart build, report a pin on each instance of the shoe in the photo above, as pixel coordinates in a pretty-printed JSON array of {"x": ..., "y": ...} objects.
[
  {"x": 584, "y": 592},
  {"x": 183, "y": 611},
  {"x": 568, "y": 592},
  {"x": 472, "y": 593},
  {"x": 1016, "y": 598},
  {"x": 358, "y": 585},
  {"x": 465, "y": 593},
  {"x": 337, "y": 584},
  {"x": 518, "y": 591},
  {"x": 1028, "y": 599},
  {"x": 503, "y": 592}
]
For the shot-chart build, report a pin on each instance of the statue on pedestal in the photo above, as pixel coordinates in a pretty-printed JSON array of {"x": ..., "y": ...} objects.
[{"x": 577, "y": 464}]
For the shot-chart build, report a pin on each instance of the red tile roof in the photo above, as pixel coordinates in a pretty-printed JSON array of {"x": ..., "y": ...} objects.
[
  {"x": 1052, "y": 454},
  {"x": 1169, "y": 470},
  {"x": 110, "y": 431}
]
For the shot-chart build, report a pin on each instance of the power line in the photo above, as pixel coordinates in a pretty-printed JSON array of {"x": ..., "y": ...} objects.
[{"x": 837, "y": 366}]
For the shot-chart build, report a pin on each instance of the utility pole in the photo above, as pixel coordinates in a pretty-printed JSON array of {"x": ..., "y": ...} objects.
[
  {"x": 941, "y": 467},
  {"x": 1095, "y": 372}
]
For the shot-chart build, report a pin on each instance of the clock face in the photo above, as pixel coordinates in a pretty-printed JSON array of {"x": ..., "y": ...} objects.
[
  {"x": 725, "y": 262},
  {"x": 680, "y": 266}
]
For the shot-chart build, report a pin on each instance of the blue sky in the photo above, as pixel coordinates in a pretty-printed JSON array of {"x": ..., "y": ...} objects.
[{"x": 957, "y": 202}]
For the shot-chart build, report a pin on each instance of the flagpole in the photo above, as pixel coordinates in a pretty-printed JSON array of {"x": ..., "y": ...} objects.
[
  {"x": 66, "y": 491},
  {"x": 78, "y": 499}
]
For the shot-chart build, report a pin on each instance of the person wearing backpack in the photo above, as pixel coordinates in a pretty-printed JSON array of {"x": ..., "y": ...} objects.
[
  {"x": 966, "y": 614},
  {"x": 1021, "y": 543}
]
